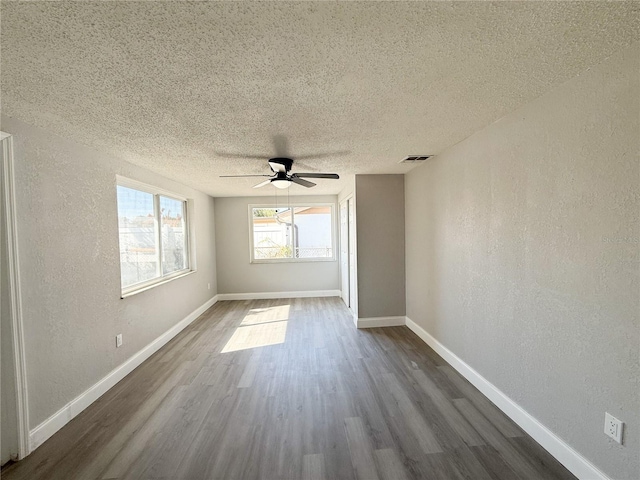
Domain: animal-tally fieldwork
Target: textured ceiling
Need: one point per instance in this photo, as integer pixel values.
(172, 86)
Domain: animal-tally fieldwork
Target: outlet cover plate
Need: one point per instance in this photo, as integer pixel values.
(613, 427)
(118, 340)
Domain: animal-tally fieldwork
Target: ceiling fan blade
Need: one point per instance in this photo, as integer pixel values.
(262, 184)
(302, 182)
(238, 176)
(310, 156)
(304, 165)
(333, 176)
(248, 156)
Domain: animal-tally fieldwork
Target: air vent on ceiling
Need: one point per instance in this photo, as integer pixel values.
(415, 158)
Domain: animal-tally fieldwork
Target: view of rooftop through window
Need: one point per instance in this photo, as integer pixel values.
(152, 236)
(300, 232)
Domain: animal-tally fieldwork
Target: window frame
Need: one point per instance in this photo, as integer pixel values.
(333, 258)
(157, 193)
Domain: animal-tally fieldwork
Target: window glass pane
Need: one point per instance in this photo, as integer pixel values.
(313, 232)
(272, 233)
(138, 246)
(172, 226)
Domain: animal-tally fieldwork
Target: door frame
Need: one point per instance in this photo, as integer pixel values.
(15, 306)
(344, 203)
(353, 253)
(349, 200)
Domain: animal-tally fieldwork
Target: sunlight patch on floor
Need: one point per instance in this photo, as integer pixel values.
(266, 315)
(261, 327)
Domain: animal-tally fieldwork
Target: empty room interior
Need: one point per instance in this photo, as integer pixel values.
(320, 240)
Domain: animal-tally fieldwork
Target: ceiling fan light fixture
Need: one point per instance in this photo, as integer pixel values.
(281, 183)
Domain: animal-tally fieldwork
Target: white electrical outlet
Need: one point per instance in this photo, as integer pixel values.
(118, 340)
(613, 427)
(208, 286)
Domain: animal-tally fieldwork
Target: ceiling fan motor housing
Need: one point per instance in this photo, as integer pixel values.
(287, 163)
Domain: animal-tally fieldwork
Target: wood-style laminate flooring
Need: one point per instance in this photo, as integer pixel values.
(290, 389)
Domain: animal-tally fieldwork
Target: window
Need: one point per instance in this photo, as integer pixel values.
(293, 233)
(153, 231)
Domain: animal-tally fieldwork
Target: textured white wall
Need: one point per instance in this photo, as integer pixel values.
(237, 275)
(523, 257)
(70, 272)
(380, 245)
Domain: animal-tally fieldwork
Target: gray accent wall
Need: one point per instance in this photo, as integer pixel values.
(70, 267)
(380, 245)
(523, 257)
(235, 272)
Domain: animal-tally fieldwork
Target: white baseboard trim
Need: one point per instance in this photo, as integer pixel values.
(273, 295)
(373, 322)
(564, 453)
(55, 422)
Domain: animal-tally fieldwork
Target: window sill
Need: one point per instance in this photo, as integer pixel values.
(160, 281)
(293, 260)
